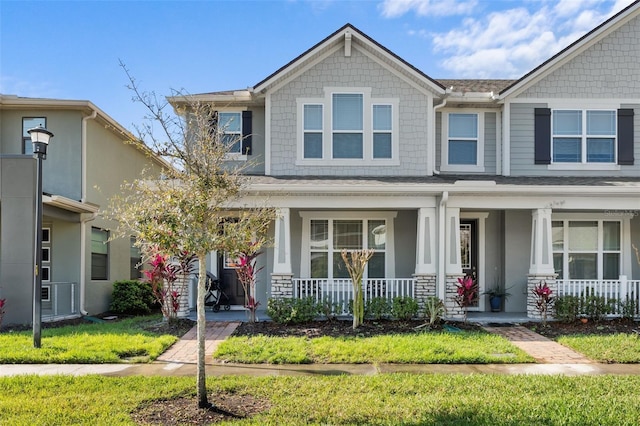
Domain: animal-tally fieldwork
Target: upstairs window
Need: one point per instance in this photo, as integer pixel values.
(347, 119)
(463, 144)
(231, 126)
(313, 131)
(348, 126)
(30, 123)
(584, 136)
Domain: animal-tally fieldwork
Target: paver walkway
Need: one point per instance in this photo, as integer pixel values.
(185, 350)
(543, 350)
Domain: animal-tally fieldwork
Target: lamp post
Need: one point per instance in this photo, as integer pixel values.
(40, 138)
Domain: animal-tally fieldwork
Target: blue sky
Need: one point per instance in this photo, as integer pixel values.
(71, 49)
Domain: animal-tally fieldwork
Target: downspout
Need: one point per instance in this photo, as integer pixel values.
(435, 108)
(84, 218)
(441, 243)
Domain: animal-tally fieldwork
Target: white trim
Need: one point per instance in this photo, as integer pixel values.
(48, 290)
(308, 216)
(267, 134)
(481, 217)
(282, 240)
(444, 160)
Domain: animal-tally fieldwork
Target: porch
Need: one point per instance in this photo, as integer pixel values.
(616, 298)
(60, 300)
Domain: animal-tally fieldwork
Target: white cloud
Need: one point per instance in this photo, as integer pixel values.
(509, 43)
(396, 8)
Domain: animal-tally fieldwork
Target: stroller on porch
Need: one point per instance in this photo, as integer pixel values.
(215, 294)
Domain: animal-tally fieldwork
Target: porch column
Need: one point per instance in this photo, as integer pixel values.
(541, 269)
(453, 265)
(282, 275)
(424, 278)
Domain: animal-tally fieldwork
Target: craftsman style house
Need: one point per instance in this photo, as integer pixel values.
(514, 181)
(86, 163)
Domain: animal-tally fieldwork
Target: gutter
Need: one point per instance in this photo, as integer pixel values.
(441, 243)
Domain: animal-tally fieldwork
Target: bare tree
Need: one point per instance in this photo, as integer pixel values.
(187, 207)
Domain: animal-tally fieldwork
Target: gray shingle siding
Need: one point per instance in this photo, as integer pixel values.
(357, 70)
(490, 143)
(608, 69)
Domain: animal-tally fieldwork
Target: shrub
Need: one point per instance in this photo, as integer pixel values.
(132, 298)
(378, 308)
(596, 307)
(567, 308)
(628, 308)
(329, 309)
(292, 311)
(434, 309)
(404, 308)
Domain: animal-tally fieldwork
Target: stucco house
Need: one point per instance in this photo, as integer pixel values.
(86, 163)
(515, 181)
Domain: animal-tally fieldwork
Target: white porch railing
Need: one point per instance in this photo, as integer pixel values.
(60, 301)
(339, 292)
(615, 293)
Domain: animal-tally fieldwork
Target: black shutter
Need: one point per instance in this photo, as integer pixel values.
(542, 138)
(246, 132)
(625, 137)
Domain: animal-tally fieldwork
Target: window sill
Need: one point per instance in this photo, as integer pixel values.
(348, 162)
(583, 166)
(235, 157)
(462, 168)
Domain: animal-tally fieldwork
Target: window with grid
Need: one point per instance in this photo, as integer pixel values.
(30, 123)
(231, 125)
(584, 136)
(587, 249)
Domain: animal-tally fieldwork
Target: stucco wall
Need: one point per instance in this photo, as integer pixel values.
(405, 229)
(17, 180)
(517, 248)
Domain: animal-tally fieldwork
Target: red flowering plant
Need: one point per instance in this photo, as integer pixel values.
(248, 274)
(3, 303)
(544, 300)
(166, 285)
(466, 293)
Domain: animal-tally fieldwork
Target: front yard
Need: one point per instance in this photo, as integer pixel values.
(373, 400)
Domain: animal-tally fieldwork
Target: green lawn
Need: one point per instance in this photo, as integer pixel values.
(372, 400)
(616, 348)
(95, 343)
(419, 348)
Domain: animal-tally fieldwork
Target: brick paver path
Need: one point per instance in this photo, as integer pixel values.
(185, 350)
(539, 347)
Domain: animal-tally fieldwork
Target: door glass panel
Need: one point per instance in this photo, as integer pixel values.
(465, 245)
(583, 236)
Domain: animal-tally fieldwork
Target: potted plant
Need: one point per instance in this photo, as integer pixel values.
(497, 294)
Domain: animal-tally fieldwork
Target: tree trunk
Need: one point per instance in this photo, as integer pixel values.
(358, 304)
(201, 327)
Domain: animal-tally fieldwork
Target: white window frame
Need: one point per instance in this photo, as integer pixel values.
(47, 290)
(367, 133)
(26, 138)
(625, 253)
(583, 136)
(234, 156)
(308, 216)
(444, 158)
(584, 105)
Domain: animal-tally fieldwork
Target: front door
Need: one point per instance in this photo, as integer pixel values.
(469, 250)
(229, 281)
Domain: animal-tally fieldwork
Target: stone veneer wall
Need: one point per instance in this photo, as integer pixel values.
(532, 282)
(282, 286)
(453, 310)
(424, 286)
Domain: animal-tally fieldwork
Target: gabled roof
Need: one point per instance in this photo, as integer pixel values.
(339, 37)
(575, 48)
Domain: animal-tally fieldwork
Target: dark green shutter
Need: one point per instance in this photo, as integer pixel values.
(625, 137)
(542, 136)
